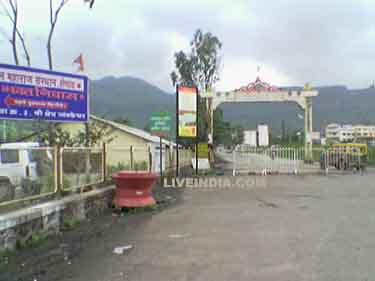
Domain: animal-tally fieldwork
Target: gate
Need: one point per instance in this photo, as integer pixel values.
(287, 160)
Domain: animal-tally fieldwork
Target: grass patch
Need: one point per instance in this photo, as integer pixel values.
(139, 210)
(6, 254)
(69, 223)
(33, 240)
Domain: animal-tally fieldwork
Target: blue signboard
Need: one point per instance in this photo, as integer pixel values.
(35, 94)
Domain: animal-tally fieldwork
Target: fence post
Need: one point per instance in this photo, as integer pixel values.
(170, 166)
(56, 168)
(104, 162)
(234, 162)
(173, 161)
(61, 173)
(131, 158)
(149, 159)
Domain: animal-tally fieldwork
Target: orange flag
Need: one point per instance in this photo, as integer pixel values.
(79, 61)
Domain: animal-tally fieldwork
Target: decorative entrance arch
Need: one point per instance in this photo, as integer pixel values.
(260, 91)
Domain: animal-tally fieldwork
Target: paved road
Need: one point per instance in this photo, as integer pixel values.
(296, 228)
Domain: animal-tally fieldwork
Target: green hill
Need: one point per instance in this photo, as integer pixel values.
(135, 99)
(129, 97)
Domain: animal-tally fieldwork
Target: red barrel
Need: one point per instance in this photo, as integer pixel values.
(133, 189)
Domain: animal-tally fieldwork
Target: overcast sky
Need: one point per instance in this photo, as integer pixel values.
(294, 41)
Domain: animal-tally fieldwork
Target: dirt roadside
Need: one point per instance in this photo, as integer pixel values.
(50, 259)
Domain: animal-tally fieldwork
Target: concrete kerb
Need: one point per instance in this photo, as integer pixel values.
(48, 216)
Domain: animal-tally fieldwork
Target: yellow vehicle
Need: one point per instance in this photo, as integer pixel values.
(345, 156)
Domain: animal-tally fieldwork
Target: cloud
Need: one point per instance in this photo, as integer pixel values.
(323, 42)
(238, 72)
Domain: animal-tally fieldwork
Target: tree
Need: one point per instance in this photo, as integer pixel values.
(92, 135)
(222, 131)
(200, 68)
(237, 134)
(12, 14)
(283, 130)
(53, 17)
(91, 3)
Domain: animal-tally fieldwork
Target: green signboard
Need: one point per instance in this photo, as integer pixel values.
(160, 123)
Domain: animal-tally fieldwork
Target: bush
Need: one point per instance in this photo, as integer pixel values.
(48, 183)
(371, 156)
(138, 166)
(111, 169)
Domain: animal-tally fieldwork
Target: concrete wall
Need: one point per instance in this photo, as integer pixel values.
(49, 217)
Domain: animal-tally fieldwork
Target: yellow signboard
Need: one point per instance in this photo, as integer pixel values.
(187, 111)
(203, 150)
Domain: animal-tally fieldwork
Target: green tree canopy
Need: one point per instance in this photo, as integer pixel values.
(199, 67)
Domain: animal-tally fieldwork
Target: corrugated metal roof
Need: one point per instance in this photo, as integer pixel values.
(131, 130)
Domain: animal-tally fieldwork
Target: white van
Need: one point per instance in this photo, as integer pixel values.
(20, 163)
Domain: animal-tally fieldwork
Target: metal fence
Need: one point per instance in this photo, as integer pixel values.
(35, 172)
(133, 158)
(80, 167)
(27, 173)
(293, 161)
(184, 158)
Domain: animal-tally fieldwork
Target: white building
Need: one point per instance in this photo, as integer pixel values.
(250, 138)
(364, 132)
(345, 133)
(332, 131)
(263, 135)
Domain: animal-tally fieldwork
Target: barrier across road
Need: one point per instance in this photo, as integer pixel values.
(288, 160)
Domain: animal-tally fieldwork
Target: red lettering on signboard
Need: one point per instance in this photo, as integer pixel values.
(17, 90)
(9, 101)
(56, 94)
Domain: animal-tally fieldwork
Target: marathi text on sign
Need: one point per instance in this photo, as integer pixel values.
(28, 93)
